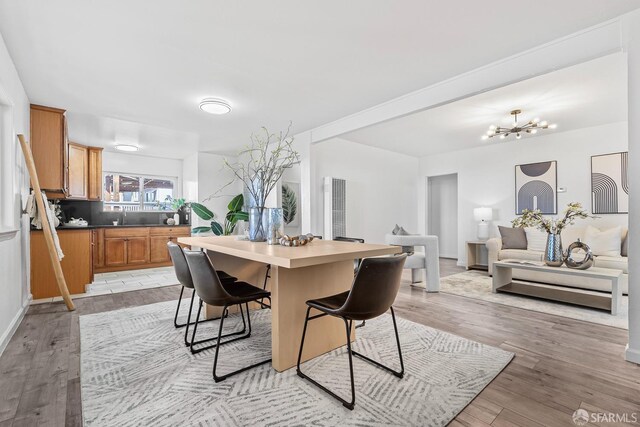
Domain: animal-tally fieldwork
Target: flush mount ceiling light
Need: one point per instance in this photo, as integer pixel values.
(127, 147)
(532, 127)
(215, 106)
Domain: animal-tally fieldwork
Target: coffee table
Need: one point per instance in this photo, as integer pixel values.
(503, 282)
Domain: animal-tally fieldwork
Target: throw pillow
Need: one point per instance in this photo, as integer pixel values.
(513, 238)
(395, 229)
(604, 243)
(405, 249)
(536, 239)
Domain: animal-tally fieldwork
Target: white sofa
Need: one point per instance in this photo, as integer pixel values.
(569, 235)
(425, 258)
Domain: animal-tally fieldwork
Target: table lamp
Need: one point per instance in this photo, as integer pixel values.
(483, 215)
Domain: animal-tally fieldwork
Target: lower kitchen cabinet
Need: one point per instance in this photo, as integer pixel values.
(76, 264)
(128, 248)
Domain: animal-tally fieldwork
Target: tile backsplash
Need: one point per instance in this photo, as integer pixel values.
(92, 212)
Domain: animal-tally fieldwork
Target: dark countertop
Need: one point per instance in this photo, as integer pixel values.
(91, 227)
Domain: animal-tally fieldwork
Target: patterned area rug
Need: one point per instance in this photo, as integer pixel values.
(477, 284)
(135, 370)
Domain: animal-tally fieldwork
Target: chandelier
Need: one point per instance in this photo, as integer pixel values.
(532, 127)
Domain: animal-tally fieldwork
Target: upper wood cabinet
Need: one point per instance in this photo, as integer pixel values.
(65, 169)
(95, 173)
(48, 144)
(78, 170)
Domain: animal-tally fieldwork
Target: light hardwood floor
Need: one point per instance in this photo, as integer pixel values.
(561, 364)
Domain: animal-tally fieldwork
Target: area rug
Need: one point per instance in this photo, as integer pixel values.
(135, 370)
(477, 285)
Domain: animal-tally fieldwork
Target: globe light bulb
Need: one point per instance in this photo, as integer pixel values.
(485, 137)
(553, 126)
(518, 136)
(503, 136)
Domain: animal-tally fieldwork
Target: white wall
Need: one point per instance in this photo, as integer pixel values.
(14, 248)
(144, 165)
(204, 174)
(381, 187)
(486, 174)
(443, 213)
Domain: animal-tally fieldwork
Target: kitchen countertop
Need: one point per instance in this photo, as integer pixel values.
(91, 227)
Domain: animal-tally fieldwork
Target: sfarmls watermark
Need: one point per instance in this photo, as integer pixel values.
(582, 417)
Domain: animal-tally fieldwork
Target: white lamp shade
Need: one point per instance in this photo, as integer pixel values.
(483, 214)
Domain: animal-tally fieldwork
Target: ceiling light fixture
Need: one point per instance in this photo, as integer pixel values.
(215, 106)
(127, 147)
(532, 127)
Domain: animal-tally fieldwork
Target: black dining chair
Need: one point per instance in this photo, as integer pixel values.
(184, 278)
(211, 290)
(356, 262)
(373, 292)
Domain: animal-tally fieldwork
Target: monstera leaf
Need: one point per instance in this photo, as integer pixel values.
(289, 204)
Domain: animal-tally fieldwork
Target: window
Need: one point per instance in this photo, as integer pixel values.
(126, 192)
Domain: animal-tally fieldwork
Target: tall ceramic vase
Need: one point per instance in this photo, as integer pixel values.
(258, 220)
(553, 255)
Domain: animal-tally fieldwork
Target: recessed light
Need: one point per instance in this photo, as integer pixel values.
(126, 147)
(215, 106)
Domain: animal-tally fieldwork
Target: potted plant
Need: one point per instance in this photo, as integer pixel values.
(231, 219)
(553, 227)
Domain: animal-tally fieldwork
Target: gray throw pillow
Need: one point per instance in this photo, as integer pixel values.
(625, 246)
(405, 249)
(396, 229)
(513, 238)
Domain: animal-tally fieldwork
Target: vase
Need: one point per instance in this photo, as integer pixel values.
(553, 255)
(258, 219)
(275, 225)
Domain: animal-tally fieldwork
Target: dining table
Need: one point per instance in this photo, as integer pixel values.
(293, 275)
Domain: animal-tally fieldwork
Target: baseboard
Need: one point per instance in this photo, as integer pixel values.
(13, 326)
(632, 355)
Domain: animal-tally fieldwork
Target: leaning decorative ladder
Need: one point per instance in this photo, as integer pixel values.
(46, 228)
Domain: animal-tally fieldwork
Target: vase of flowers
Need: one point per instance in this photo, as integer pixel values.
(553, 255)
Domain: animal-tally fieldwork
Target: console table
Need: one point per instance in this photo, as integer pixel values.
(503, 282)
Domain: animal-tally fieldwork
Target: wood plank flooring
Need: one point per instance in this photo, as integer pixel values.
(561, 364)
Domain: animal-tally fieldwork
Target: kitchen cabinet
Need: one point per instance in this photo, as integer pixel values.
(65, 169)
(137, 250)
(115, 252)
(128, 248)
(158, 249)
(95, 174)
(78, 170)
(98, 247)
(76, 264)
(49, 145)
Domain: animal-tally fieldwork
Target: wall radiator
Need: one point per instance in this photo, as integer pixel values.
(335, 207)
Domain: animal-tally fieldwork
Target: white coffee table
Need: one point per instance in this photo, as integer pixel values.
(503, 282)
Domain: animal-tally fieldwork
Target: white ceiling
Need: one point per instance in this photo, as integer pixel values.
(589, 94)
(150, 62)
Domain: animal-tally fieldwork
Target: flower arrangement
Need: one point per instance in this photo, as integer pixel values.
(534, 218)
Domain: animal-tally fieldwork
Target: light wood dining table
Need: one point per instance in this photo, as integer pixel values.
(297, 274)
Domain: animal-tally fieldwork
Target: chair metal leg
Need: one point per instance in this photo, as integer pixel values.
(345, 403)
(364, 322)
(188, 322)
(399, 374)
(225, 314)
(267, 276)
(218, 378)
(175, 319)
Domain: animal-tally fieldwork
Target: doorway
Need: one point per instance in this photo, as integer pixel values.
(442, 212)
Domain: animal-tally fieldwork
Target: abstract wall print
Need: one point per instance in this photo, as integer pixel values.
(610, 183)
(291, 204)
(536, 187)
